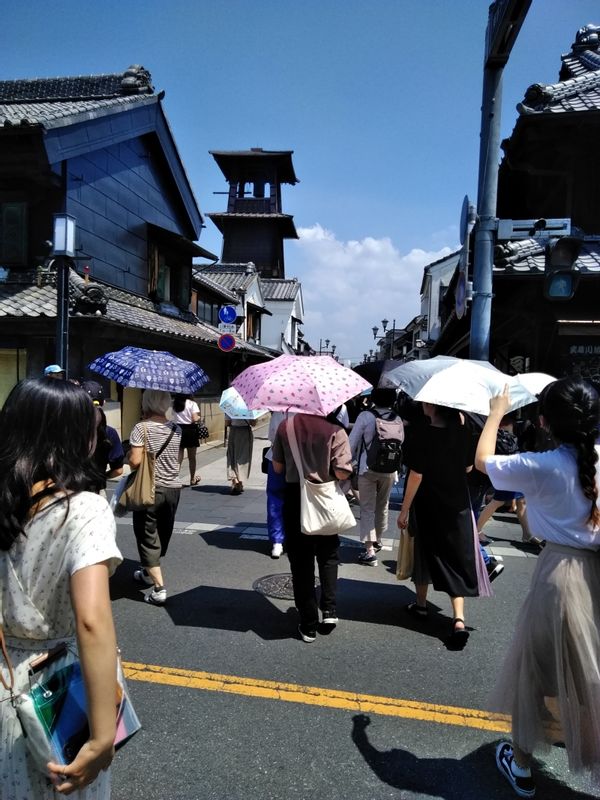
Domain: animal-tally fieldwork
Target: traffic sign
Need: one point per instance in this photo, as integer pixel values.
(227, 314)
(225, 327)
(226, 342)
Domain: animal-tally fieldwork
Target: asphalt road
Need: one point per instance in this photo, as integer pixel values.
(235, 707)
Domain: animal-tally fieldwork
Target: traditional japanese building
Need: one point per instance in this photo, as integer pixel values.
(550, 171)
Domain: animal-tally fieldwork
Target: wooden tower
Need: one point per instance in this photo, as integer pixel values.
(254, 226)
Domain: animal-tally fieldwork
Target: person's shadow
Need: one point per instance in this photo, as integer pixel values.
(450, 778)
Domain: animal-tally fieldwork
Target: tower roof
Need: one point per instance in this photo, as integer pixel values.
(256, 163)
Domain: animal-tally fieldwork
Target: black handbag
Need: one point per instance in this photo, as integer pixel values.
(203, 430)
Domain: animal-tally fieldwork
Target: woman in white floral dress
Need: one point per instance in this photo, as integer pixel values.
(57, 550)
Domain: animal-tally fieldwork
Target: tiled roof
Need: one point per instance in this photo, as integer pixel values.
(123, 308)
(527, 256)
(229, 276)
(46, 101)
(286, 221)
(214, 286)
(579, 85)
(279, 289)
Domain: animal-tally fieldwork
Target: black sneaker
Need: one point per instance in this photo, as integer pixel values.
(377, 546)
(367, 561)
(307, 635)
(494, 568)
(523, 786)
(141, 576)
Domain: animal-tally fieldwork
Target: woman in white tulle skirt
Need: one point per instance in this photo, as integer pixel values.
(550, 680)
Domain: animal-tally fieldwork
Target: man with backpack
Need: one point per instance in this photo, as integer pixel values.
(376, 442)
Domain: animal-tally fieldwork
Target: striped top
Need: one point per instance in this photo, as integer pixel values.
(166, 473)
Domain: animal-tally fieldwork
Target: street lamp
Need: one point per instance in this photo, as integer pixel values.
(333, 349)
(384, 323)
(63, 249)
(374, 329)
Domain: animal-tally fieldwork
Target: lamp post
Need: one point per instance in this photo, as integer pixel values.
(385, 323)
(63, 249)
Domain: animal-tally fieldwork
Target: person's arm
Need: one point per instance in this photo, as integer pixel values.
(342, 474)
(486, 446)
(114, 473)
(97, 646)
(278, 467)
(412, 487)
(134, 456)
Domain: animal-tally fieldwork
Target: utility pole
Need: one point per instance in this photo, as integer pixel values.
(504, 22)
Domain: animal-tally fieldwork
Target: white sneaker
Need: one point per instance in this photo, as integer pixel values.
(277, 550)
(157, 596)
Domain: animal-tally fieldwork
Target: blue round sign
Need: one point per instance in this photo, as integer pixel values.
(226, 342)
(227, 314)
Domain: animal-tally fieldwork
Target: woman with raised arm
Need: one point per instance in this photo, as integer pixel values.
(550, 681)
(57, 550)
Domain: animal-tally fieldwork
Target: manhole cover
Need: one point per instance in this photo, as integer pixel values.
(277, 586)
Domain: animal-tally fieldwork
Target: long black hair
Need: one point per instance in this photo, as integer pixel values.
(179, 401)
(46, 430)
(571, 408)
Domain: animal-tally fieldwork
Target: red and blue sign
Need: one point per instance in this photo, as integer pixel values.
(226, 342)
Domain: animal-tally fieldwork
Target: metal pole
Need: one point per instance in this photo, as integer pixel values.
(483, 260)
(62, 314)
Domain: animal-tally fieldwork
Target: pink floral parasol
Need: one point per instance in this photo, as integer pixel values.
(305, 384)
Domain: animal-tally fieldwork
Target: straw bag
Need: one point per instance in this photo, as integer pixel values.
(138, 493)
(406, 556)
(324, 509)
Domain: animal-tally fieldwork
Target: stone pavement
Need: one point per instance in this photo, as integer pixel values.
(209, 507)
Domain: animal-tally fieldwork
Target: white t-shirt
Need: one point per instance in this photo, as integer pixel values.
(186, 417)
(557, 509)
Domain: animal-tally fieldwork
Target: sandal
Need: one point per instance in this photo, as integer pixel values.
(459, 636)
(416, 610)
(196, 481)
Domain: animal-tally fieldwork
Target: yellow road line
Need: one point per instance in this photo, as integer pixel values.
(315, 696)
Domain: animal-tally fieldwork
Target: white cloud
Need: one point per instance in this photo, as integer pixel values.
(349, 287)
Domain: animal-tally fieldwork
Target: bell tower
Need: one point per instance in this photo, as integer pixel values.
(254, 226)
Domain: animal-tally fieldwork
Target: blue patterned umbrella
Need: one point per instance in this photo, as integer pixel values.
(150, 369)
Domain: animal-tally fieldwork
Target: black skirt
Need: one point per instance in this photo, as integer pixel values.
(189, 435)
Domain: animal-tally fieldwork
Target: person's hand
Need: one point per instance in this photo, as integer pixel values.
(89, 762)
(402, 520)
(501, 402)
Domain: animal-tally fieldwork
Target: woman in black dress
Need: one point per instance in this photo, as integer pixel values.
(438, 456)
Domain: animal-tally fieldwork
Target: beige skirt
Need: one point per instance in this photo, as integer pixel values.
(550, 680)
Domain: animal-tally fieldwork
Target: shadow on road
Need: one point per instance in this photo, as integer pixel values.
(474, 776)
(232, 610)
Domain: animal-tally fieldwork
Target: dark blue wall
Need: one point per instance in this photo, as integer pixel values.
(113, 192)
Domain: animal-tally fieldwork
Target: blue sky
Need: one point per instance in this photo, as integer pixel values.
(379, 99)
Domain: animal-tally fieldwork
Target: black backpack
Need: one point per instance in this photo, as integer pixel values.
(384, 454)
(506, 443)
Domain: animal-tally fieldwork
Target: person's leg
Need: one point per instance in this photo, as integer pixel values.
(487, 513)
(181, 455)
(458, 612)
(275, 493)
(148, 543)
(166, 504)
(300, 552)
(326, 548)
(367, 486)
(194, 479)
(421, 593)
(527, 535)
(384, 485)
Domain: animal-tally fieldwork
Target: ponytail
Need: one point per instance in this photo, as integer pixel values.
(571, 409)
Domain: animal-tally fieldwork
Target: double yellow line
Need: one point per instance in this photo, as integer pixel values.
(315, 696)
